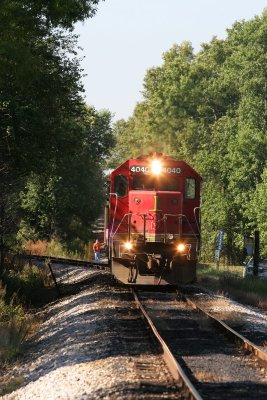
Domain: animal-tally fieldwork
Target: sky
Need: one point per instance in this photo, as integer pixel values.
(127, 37)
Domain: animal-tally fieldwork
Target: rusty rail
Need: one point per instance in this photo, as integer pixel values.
(260, 354)
(172, 364)
(59, 260)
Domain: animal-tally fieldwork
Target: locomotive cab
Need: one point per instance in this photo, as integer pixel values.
(154, 228)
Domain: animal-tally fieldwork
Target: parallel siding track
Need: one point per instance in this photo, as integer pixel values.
(215, 367)
(67, 261)
(65, 288)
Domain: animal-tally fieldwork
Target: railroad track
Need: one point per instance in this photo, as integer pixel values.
(175, 368)
(64, 280)
(198, 354)
(247, 345)
(68, 261)
(202, 360)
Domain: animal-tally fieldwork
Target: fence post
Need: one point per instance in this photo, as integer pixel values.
(256, 255)
(54, 279)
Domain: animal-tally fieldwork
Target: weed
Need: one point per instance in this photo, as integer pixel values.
(26, 282)
(38, 247)
(229, 280)
(55, 248)
(203, 376)
(12, 385)
(12, 326)
(19, 289)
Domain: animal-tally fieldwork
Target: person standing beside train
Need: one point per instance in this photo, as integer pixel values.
(96, 248)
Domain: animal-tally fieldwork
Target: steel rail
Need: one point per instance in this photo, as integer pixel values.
(172, 364)
(245, 343)
(91, 263)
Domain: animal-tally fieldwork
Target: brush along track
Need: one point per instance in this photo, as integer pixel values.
(217, 368)
(69, 275)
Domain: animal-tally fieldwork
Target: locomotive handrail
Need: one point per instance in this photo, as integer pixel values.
(115, 209)
(125, 215)
(165, 216)
(187, 220)
(113, 234)
(198, 227)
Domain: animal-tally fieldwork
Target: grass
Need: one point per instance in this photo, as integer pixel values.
(21, 288)
(11, 385)
(203, 376)
(25, 282)
(13, 326)
(229, 281)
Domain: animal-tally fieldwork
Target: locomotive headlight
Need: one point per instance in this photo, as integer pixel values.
(128, 245)
(156, 167)
(181, 247)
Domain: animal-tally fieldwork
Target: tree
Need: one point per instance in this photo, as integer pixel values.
(210, 109)
(64, 202)
(41, 103)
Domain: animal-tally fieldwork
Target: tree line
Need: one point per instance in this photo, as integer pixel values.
(210, 109)
(52, 145)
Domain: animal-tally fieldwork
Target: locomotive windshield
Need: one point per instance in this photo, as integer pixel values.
(120, 185)
(148, 182)
(190, 188)
(143, 182)
(168, 183)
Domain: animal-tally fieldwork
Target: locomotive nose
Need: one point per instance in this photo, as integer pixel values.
(146, 202)
(158, 209)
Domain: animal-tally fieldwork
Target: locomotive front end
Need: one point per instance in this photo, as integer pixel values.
(154, 221)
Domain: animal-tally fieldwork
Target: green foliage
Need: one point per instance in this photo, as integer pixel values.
(20, 287)
(51, 144)
(74, 250)
(12, 325)
(12, 384)
(24, 285)
(257, 211)
(210, 110)
(65, 203)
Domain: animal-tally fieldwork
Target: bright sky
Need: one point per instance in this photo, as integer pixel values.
(127, 37)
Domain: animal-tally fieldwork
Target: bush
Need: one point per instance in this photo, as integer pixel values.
(20, 288)
(25, 283)
(13, 325)
(76, 249)
(38, 247)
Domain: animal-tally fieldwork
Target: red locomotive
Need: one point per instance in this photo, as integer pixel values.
(153, 226)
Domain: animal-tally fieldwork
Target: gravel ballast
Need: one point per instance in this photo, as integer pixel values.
(92, 345)
(218, 367)
(249, 321)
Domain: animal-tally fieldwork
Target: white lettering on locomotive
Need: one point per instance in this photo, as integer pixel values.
(143, 169)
